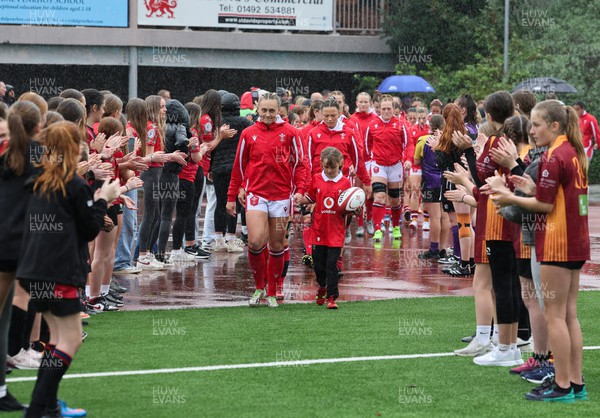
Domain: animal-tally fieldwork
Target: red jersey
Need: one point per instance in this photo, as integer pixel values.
(328, 224)
(90, 138)
(342, 138)
(588, 125)
(388, 139)
(309, 127)
(188, 172)
(562, 235)
(490, 225)
(357, 134)
(268, 162)
(206, 135)
(153, 140)
(416, 132)
(362, 120)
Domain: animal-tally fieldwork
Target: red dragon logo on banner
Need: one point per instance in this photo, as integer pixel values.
(162, 6)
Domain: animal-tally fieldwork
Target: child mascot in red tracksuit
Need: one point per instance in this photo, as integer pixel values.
(329, 225)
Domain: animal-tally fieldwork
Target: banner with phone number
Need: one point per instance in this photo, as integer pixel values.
(307, 15)
(105, 13)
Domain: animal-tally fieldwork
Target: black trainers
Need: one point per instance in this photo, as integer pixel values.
(117, 287)
(100, 304)
(115, 295)
(88, 308)
(552, 394)
(8, 403)
(459, 271)
(446, 270)
(428, 255)
(245, 238)
(114, 301)
(547, 384)
(197, 252)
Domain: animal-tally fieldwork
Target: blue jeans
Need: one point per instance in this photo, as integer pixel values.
(125, 244)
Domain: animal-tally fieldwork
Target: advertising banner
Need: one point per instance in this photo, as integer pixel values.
(106, 13)
(307, 15)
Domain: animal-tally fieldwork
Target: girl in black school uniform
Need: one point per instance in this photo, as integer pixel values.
(62, 217)
(24, 122)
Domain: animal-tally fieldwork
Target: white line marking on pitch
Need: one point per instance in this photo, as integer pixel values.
(249, 366)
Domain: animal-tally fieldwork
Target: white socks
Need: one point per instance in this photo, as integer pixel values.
(104, 289)
(483, 334)
(2, 391)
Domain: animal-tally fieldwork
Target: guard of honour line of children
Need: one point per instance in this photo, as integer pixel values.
(501, 190)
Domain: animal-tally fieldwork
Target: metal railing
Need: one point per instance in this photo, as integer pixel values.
(359, 16)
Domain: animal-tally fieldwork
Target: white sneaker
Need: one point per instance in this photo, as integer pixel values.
(370, 227)
(517, 356)
(360, 231)
(474, 349)
(235, 246)
(220, 245)
(497, 358)
(272, 302)
(155, 261)
(425, 226)
(348, 238)
(127, 270)
(181, 256)
(256, 297)
(148, 262)
(24, 360)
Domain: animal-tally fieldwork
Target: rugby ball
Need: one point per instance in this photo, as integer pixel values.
(351, 199)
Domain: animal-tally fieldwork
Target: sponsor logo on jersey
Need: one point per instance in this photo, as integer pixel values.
(328, 202)
(545, 173)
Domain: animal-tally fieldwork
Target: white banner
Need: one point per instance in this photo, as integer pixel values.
(308, 15)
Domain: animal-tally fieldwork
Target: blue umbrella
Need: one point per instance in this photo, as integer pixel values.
(405, 84)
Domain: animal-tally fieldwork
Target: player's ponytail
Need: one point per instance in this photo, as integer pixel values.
(23, 118)
(574, 136)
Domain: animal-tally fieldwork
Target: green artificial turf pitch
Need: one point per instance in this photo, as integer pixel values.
(439, 386)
